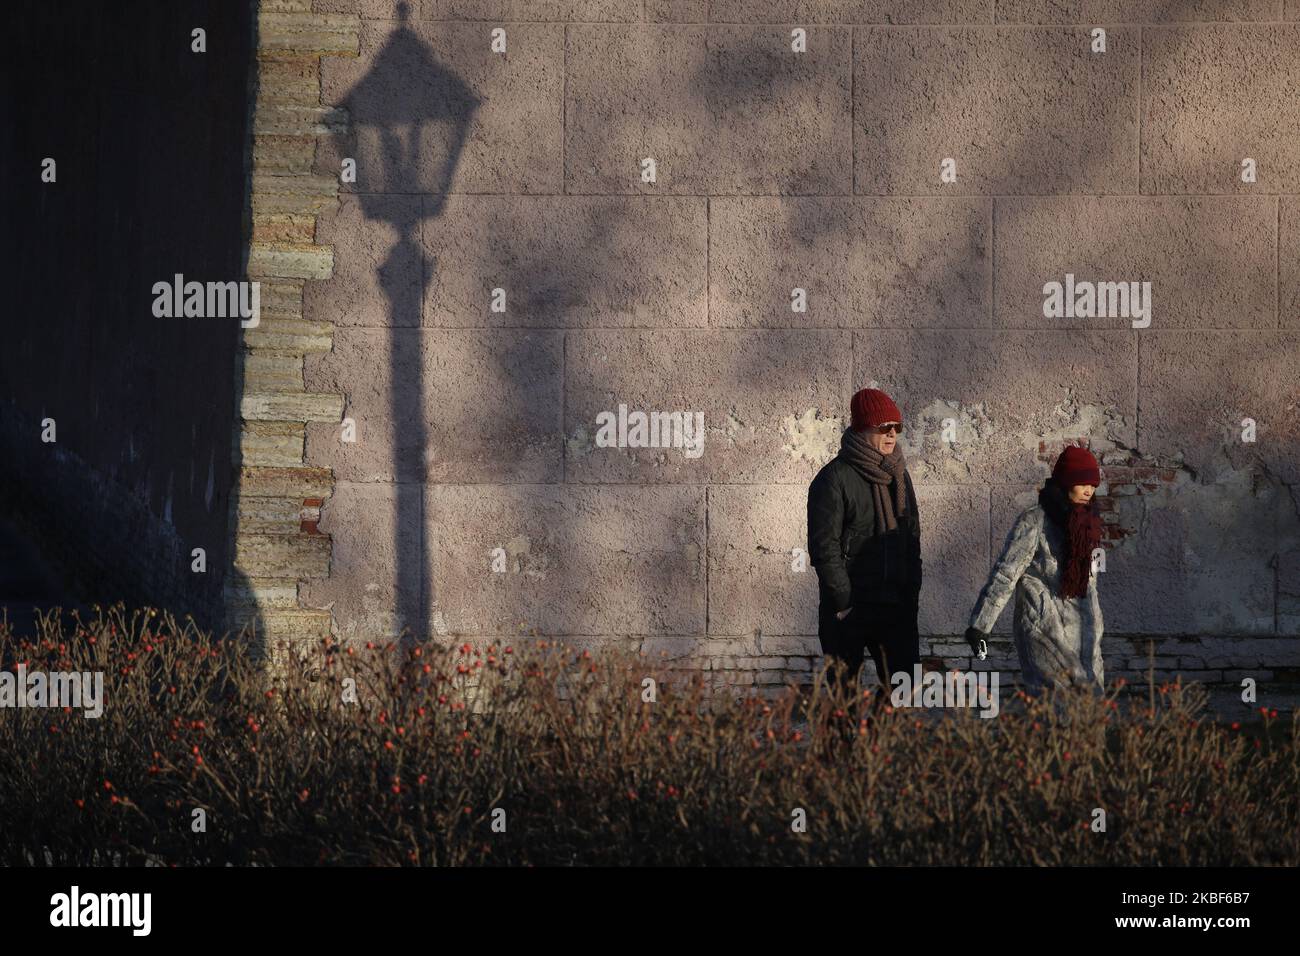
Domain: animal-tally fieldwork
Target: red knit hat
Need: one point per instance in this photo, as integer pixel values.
(871, 407)
(1076, 466)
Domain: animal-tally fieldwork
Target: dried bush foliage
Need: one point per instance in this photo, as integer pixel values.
(288, 771)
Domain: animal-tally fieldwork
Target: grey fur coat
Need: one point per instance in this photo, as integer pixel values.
(1058, 639)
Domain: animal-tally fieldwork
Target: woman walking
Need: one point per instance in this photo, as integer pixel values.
(1047, 563)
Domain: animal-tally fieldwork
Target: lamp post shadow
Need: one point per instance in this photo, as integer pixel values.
(410, 116)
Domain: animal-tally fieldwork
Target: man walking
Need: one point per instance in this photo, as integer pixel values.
(864, 539)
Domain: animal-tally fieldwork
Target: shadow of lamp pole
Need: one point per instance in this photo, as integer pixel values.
(410, 116)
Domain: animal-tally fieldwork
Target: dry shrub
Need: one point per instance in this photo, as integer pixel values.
(401, 754)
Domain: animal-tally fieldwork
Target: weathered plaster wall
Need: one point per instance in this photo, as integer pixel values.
(148, 138)
(475, 428)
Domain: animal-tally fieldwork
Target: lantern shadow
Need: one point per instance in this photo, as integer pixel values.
(408, 119)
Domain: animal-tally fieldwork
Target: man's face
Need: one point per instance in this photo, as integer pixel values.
(1081, 494)
(885, 441)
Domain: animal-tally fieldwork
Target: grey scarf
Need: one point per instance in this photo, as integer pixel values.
(879, 470)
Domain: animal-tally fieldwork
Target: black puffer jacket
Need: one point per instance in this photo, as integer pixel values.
(856, 563)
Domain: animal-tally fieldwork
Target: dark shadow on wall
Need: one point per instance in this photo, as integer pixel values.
(239, 610)
(402, 128)
(148, 140)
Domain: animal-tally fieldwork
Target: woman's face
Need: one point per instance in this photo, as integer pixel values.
(1081, 494)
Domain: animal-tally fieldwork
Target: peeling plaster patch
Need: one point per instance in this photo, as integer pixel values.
(730, 429)
(580, 443)
(1103, 426)
(1233, 453)
(929, 455)
(376, 620)
(810, 436)
(439, 622)
(520, 558)
(972, 425)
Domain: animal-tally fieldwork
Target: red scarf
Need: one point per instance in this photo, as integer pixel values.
(1082, 525)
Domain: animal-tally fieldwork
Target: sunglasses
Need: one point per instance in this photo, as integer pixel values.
(885, 429)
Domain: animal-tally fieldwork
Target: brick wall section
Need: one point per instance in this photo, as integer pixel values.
(1123, 472)
(819, 171)
(277, 544)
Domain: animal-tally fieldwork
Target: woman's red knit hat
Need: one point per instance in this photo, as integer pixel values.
(871, 407)
(1076, 466)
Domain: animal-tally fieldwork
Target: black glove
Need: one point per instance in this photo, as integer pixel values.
(978, 641)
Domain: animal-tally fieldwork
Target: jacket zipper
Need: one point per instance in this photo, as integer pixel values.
(884, 539)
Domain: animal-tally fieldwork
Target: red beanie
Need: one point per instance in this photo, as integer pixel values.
(1076, 466)
(871, 407)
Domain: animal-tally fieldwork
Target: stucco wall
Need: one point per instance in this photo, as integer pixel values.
(475, 429)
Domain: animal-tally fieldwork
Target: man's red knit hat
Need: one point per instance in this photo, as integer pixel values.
(871, 407)
(1076, 466)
